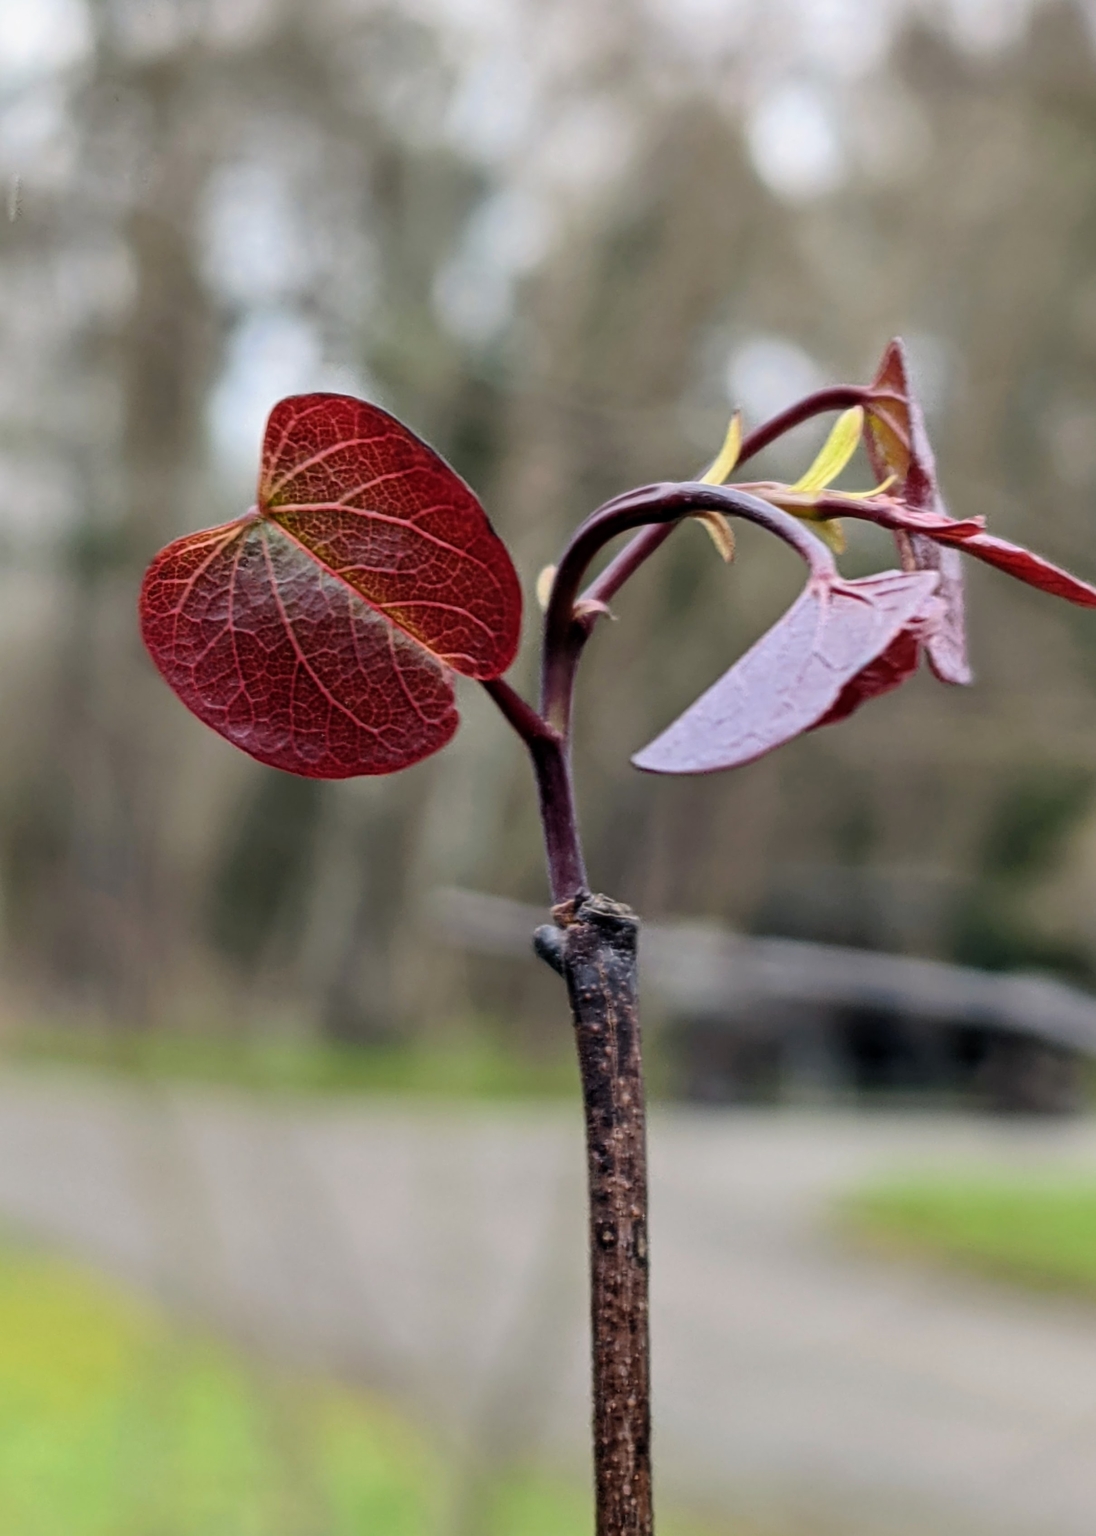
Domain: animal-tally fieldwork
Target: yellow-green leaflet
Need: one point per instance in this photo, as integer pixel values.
(832, 531)
(836, 452)
(719, 529)
(727, 457)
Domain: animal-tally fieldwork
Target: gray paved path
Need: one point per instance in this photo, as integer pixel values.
(439, 1254)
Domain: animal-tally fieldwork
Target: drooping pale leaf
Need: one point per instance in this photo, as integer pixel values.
(318, 632)
(720, 532)
(795, 675)
(835, 452)
(898, 445)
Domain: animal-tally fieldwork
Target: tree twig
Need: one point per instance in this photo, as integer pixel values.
(594, 947)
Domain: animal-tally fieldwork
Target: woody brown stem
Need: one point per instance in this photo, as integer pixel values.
(594, 949)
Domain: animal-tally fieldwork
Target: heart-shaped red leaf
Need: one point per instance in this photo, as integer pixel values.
(318, 632)
(898, 445)
(797, 674)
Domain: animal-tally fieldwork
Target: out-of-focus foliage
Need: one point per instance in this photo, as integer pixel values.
(1038, 1231)
(479, 1060)
(559, 241)
(115, 1422)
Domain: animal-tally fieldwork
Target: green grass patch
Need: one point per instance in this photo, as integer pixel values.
(472, 1065)
(114, 1421)
(1038, 1231)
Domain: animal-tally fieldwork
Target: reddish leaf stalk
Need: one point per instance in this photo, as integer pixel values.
(552, 769)
(563, 848)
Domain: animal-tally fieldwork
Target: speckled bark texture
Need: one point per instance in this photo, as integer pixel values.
(594, 948)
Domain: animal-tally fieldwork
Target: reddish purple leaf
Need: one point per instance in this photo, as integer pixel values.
(898, 445)
(1022, 564)
(947, 648)
(318, 631)
(898, 662)
(971, 537)
(814, 664)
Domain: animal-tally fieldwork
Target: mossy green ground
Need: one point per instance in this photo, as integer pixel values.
(115, 1421)
(1039, 1231)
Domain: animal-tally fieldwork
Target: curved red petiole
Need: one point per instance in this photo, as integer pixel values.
(566, 628)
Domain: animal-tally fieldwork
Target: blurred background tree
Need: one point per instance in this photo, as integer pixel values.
(560, 241)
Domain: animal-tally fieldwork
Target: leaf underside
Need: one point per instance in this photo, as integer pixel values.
(815, 664)
(319, 633)
(888, 671)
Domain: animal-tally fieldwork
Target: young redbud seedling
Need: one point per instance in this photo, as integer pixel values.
(320, 633)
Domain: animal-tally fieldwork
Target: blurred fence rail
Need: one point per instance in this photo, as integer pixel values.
(1027, 1033)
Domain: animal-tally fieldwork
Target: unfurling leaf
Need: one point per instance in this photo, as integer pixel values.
(814, 661)
(720, 532)
(898, 445)
(319, 631)
(544, 586)
(835, 453)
